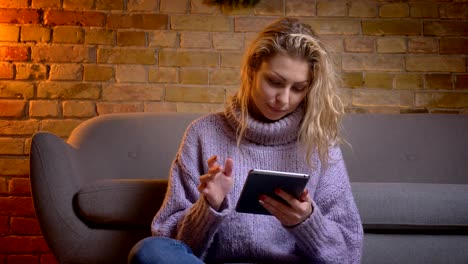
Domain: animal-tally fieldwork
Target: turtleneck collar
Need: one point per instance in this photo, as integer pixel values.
(279, 132)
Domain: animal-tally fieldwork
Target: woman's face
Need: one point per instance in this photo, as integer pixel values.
(279, 87)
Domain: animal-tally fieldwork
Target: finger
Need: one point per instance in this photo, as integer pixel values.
(291, 200)
(215, 169)
(204, 178)
(275, 208)
(212, 161)
(201, 187)
(228, 166)
(304, 196)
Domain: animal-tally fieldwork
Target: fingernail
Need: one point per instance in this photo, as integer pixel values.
(262, 198)
(277, 191)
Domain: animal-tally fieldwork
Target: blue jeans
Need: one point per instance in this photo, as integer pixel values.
(152, 250)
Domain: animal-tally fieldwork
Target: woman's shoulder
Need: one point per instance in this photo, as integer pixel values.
(207, 120)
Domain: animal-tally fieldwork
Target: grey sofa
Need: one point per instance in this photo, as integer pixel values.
(96, 193)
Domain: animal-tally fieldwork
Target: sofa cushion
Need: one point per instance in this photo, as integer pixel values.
(412, 207)
(126, 203)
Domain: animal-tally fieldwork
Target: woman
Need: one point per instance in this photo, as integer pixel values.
(285, 117)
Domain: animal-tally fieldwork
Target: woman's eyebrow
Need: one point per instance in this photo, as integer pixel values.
(284, 79)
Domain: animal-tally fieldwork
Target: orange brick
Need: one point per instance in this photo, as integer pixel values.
(363, 9)
(163, 75)
(23, 225)
(199, 107)
(160, 107)
(193, 76)
(442, 100)
(438, 81)
(251, 24)
(424, 10)
(126, 56)
(200, 7)
(68, 34)
(365, 62)
(332, 8)
(78, 4)
(108, 108)
(371, 98)
(132, 92)
(391, 45)
(59, 53)
(422, 45)
(165, 39)
(46, 3)
(99, 36)
(16, 89)
(173, 6)
(6, 71)
(14, 53)
(130, 73)
(461, 82)
(408, 82)
(9, 33)
(142, 5)
(15, 167)
(66, 72)
(394, 10)
(435, 63)
(195, 39)
(93, 72)
(12, 108)
(269, 8)
(454, 11)
(188, 58)
(14, 4)
(200, 23)
(453, 46)
(352, 79)
(35, 34)
(445, 28)
(17, 127)
(43, 108)
(60, 127)
(336, 26)
(11, 146)
(77, 18)
(333, 43)
(225, 76)
(31, 71)
(378, 80)
(300, 8)
(131, 38)
(391, 27)
(359, 44)
(79, 109)
(231, 59)
(228, 41)
(68, 90)
(109, 4)
(20, 16)
(140, 21)
(199, 94)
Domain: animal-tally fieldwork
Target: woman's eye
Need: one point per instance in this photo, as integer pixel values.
(299, 88)
(274, 82)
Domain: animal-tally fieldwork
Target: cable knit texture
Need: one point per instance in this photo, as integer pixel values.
(332, 234)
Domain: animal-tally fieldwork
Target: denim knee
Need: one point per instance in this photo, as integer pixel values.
(152, 250)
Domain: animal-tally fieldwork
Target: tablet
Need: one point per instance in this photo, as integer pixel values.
(265, 182)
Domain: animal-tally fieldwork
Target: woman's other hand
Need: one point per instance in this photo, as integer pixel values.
(294, 214)
(217, 183)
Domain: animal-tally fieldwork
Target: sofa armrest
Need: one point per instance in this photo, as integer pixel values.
(120, 203)
(54, 180)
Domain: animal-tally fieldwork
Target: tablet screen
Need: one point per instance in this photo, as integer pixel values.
(264, 182)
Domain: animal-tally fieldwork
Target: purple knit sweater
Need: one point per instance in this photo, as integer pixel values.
(332, 234)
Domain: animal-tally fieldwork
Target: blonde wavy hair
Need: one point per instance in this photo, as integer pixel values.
(323, 108)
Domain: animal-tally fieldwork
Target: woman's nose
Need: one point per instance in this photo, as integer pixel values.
(283, 95)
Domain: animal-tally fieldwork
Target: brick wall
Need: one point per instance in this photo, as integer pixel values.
(64, 61)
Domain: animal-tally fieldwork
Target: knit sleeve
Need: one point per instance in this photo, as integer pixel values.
(185, 214)
(333, 233)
